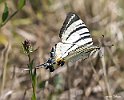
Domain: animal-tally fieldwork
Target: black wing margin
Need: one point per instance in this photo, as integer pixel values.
(71, 17)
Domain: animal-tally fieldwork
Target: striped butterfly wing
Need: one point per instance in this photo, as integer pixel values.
(73, 34)
(76, 43)
(75, 31)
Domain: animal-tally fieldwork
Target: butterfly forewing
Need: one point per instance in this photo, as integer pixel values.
(74, 31)
(68, 21)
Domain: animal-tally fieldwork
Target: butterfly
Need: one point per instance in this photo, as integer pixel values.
(76, 42)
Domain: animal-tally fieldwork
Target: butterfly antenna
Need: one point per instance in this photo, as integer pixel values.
(104, 44)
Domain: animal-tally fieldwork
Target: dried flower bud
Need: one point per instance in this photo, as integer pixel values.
(27, 46)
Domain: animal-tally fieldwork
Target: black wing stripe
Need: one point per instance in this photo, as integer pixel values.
(84, 37)
(79, 40)
(70, 48)
(88, 43)
(71, 17)
(79, 28)
(84, 33)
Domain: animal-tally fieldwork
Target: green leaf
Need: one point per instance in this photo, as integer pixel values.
(5, 13)
(1, 1)
(21, 4)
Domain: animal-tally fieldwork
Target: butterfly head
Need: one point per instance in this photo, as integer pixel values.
(50, 63)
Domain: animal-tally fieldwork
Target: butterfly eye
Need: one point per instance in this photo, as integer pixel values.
(49, 61)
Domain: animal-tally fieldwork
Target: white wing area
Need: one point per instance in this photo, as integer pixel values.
(76, 31)
(69, 30)
(61, 49)
(73, 38)
(74, 34)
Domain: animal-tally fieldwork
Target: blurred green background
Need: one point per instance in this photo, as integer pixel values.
(40, 21)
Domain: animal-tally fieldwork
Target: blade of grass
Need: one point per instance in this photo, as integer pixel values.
(6, 53)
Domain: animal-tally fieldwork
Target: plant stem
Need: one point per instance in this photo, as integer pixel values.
(105, 75)
(33, 77)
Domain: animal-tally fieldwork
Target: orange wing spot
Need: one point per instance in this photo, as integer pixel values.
(60, 62)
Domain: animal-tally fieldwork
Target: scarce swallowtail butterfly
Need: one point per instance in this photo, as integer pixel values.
(76, 43)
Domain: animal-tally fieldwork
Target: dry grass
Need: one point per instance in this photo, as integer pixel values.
(40, 22)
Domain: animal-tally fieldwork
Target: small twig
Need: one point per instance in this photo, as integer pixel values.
(101, 53)
(24, 95)
(105, 74)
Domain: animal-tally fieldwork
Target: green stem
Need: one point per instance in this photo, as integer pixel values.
(34, 87)
(33, 77)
